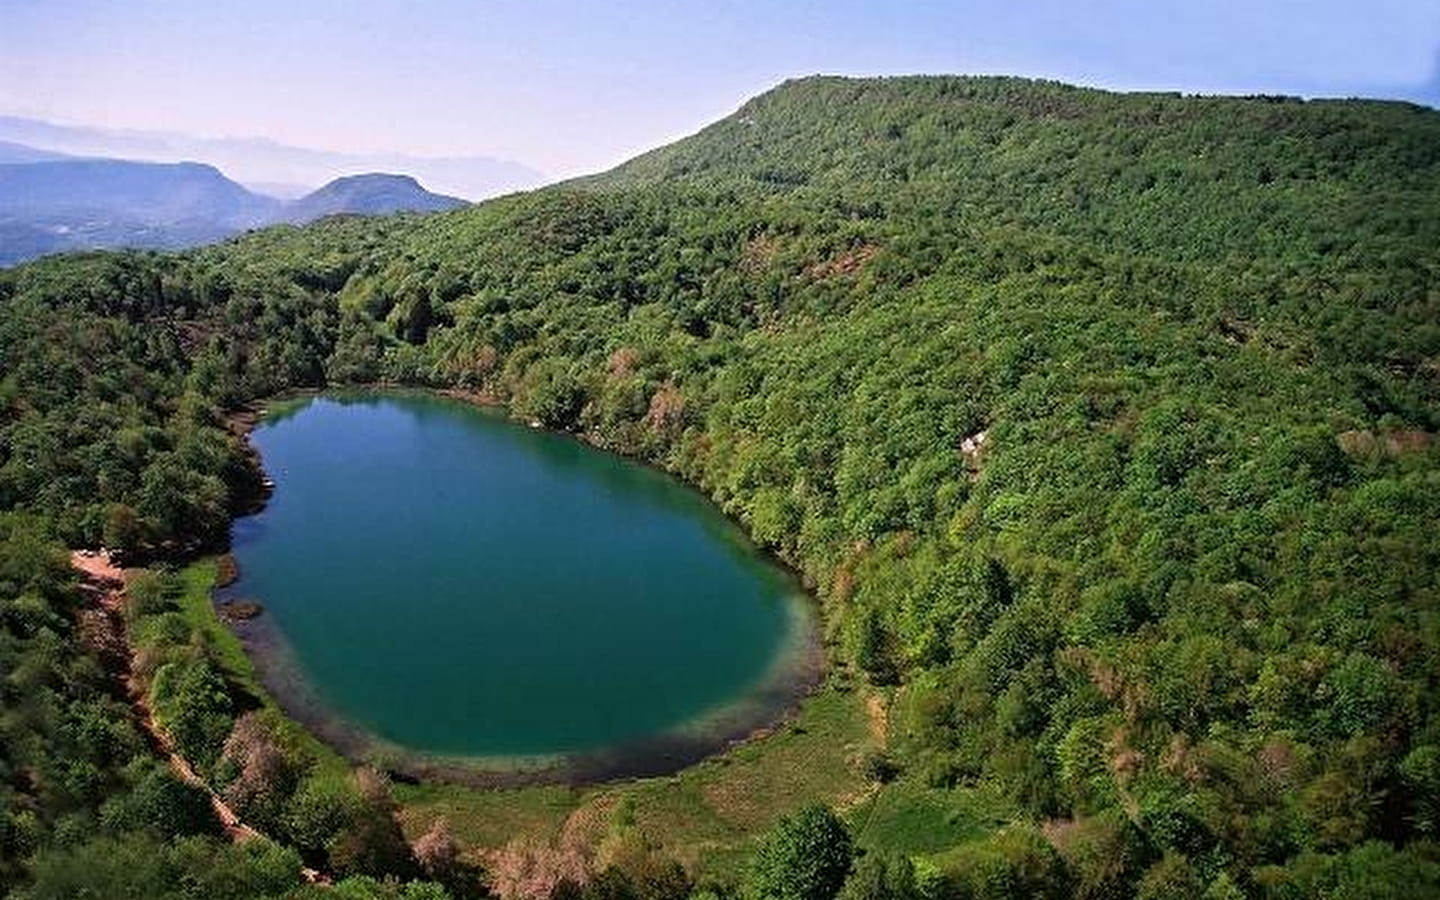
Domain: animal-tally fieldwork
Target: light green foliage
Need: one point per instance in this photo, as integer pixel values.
(881, 877)
(192, 705)
(1014, 862)
(1189, 575)
(320, 808)
(804, 857)
(188, 869)
(365, 888)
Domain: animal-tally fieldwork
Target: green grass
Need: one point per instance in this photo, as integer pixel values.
(910, 818)
(198, 581)
(197, 606)
(707, 816)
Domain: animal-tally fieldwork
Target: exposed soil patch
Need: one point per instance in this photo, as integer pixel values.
(878, 717)
(227, 570)
(847, 263)
(239, 610)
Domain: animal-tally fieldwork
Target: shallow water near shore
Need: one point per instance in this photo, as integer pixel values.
(444, 584)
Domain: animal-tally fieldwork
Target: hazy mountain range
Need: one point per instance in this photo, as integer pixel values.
(50, 203)
(267, 166)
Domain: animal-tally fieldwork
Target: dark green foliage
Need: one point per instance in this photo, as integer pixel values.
(804, 857)
(189, 869)
(370, 842)
(1372, 871)
(1104, 425)
(881, 877)
(163, 804)
(65, 739)
(879, 767)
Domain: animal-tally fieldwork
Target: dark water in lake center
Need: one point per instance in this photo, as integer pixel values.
(460, 585)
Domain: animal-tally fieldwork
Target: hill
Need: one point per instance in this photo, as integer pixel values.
(375, 194)
(257, 161)
(154, 193)
(53, 204)
(65, 204)
(20, 153)
(1101, 425)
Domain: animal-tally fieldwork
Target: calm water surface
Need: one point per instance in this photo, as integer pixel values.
(459, 585)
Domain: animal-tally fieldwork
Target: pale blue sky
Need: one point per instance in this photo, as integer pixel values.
(577, 85)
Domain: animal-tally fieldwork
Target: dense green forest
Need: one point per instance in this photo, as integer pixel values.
(1102, 426)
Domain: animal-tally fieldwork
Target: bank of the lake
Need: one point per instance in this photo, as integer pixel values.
(662, 638)
(705, 815)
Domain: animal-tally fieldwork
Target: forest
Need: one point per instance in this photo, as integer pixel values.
(1102, 426)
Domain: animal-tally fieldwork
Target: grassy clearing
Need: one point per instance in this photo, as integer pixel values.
(197, 581)
(910, 818)
(705, 816)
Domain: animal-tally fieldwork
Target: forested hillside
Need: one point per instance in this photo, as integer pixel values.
(1102, 425)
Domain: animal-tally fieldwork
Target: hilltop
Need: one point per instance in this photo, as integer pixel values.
(373, 194)
(1102, 426)
(58, 204)
(50, 203)
(1187, 177)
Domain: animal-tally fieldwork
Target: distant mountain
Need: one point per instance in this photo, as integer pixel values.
(373, 194)
(257, 161)
(155, 193)
(73, 204)
(20, 153)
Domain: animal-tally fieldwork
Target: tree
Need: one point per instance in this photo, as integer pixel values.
(439, 857)
(192, 704)
(880, 876)
(124, 530)
(261, 777)
(806, 856)
(371, 843)
(164, 804)
(320, 809)
(1172, 878)
(363, 887)
(1014, 862)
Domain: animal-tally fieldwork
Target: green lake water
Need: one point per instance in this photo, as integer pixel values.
(455, 584)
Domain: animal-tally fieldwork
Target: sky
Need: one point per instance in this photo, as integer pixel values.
(574, 86)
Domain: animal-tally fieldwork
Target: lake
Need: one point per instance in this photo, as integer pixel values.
(440, 582)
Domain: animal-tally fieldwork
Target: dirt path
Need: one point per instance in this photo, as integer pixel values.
(107, 582)
(878, 718)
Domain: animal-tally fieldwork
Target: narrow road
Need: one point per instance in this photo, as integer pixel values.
(107, 582)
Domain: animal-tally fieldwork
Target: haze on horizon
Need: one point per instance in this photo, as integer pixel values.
(569, 86)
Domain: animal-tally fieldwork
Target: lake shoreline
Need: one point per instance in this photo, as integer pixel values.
(760, 713)
(798, 669)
